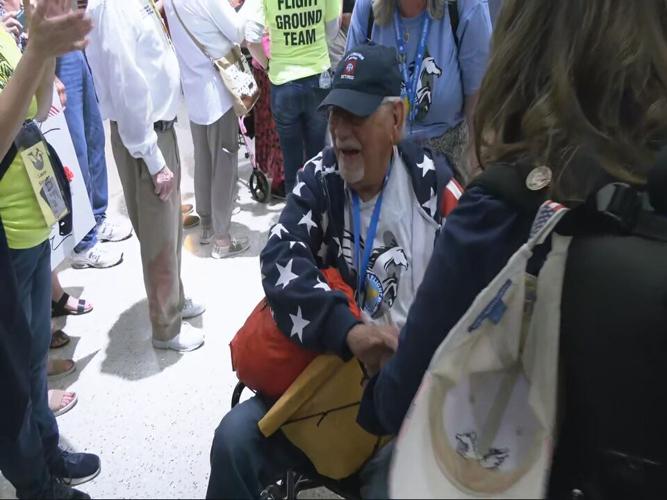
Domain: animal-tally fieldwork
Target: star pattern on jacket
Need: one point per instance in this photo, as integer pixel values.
(322, 285)
(426, 166)
(277, 230)
(286, 274)
(431, 206)
(297, 189)
(299, 323)
(307, 220)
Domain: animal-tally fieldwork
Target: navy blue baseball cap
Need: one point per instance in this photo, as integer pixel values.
(365, 76)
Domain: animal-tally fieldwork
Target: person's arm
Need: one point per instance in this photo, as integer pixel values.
(51, 36)
(357, 35)
(253, 12)
(475, 243)
(474, 34)
(229, 22)
(469, 106)
(115, 39)
(44, 93)
(257, 52)
(332, 13)
(304, 307)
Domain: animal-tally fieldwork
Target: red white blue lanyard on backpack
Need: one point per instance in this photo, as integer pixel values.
(411, 86)
(359, 262)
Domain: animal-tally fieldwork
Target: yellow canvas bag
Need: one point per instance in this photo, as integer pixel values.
(318, 414)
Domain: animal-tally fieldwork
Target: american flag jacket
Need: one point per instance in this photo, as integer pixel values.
(309, 237)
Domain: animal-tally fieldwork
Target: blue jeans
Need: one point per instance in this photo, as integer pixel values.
(244, 462)
(300, 126)
(85, 126)
(25, 461)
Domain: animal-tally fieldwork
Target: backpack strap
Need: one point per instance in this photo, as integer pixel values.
(371, 23)
(507, 181)
(454, 20)
(7, 160)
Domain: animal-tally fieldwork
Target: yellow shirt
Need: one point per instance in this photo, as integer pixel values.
(19, 210)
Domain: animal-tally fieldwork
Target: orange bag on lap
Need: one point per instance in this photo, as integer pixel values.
(264, 358)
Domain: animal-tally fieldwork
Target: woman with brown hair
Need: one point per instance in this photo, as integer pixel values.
(575, 97)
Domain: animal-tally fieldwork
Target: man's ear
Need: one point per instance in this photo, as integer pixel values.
(399, 113)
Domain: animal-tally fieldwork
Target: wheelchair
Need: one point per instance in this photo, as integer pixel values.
(293, 482)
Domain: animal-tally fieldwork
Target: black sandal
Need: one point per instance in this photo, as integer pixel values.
(59, 308)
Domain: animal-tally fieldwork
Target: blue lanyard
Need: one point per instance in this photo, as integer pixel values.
(362, 264)
(411, 86)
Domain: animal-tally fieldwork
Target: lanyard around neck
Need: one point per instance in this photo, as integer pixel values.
(411, 85)
(362, 262)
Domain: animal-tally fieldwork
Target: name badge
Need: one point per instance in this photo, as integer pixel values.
(35, 155)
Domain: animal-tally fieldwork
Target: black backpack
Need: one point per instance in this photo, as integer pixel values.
(612, 435)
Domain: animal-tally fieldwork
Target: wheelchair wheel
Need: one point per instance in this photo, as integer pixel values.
(259, 186)
(236, 395)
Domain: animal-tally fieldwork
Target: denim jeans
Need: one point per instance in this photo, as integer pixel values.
(300, 126)
(85, 126)
(24, 462)
(244, 462)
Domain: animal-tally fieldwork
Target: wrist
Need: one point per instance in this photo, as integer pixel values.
(35, 57)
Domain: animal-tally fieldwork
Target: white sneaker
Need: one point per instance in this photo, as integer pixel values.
(189, 339)
(99, 257)
(109, 231)
(192, 309)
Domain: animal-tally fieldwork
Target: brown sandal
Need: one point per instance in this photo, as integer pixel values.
(58, 368)
(59, 339)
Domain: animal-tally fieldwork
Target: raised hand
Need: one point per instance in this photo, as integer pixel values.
(55, 29)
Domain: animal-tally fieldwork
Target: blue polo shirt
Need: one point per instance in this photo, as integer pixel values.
(447, 74)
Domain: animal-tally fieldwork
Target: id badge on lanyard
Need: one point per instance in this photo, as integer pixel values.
(411, 84)
(362, 260)
(32, 148)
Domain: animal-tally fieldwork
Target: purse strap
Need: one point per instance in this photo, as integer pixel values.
(192, 37)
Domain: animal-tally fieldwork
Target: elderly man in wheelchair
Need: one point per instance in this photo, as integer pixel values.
(369, 208)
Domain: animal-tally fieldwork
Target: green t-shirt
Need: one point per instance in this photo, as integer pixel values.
(298, 37)
(19, 210)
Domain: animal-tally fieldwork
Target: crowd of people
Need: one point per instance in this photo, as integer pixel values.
(414, 143)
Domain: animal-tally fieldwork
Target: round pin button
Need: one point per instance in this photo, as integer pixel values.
(538, 178)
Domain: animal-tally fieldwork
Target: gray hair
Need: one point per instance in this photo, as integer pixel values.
(393, 100)
(384, 10)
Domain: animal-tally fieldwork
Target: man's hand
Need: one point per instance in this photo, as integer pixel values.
(62, 93)
(55, 30)
(164, 183)
(373, 345)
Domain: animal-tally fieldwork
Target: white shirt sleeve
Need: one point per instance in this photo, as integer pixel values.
(253, 12)
(226, 19)
(116, 37)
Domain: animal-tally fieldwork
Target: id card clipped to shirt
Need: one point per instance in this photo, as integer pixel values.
(32, 148)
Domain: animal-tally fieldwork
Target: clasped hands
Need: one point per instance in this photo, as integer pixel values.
(373, 344)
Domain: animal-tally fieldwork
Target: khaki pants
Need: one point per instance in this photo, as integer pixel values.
(216, 171)
(159, 230)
